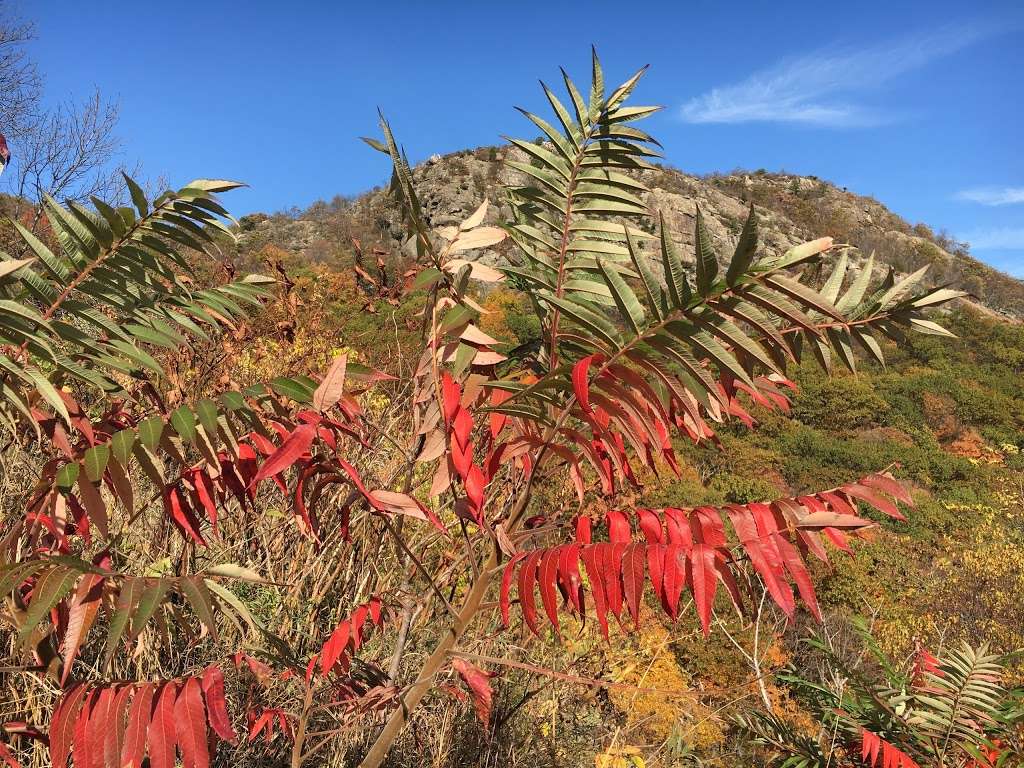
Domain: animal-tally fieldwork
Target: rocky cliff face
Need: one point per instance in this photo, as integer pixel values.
(792, 209)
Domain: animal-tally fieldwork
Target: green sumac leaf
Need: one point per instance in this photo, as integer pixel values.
(121, 445)
(707, 262)
(746, 249)
(127, 598)
(292, 388)
(184, 423)
(150, 431)
(49, 590)
(427, 278)
(206, 411)
(149, 601)
(66, 476)
(95, 461)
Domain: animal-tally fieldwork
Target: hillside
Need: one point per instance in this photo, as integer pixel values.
(947, 414)
(793, 209)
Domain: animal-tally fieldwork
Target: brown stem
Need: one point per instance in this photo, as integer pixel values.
(428, 672)
(300, 732)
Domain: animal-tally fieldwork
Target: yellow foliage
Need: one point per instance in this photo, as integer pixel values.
(620, 757)
(499, 303)
(672, 708)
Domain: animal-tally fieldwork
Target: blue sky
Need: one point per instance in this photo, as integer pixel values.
(916, 103)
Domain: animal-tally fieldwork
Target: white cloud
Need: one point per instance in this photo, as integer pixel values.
(815, 88)
(993, 195)
(996, 239)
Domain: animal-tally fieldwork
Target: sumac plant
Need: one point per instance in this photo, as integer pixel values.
(169, 571)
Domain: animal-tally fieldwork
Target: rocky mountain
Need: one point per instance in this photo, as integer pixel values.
(792, 209)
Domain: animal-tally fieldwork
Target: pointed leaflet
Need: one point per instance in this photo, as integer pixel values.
(527, 576)
(128, 596)
(626, 301)
(479, 684)
(610, 564)
(547, 574)
(703, 582)
(589, 555)
(79, 746)
(296, 444)
(149, 601)
(81, 615)
(190, 725)
(93, 502)
(707, 262)
(633, 578)
(879, 502)
(161, 736)
(580, 380)
(113, 743)
(98, 726)
(674, 576)
(49, 590)
(139, 714)
(675, 277)
(889, 485)
(194, 590)
(62, 724)
(333, 385)
(335, 647)
(745, 250)
(216, 707)
(762, 556)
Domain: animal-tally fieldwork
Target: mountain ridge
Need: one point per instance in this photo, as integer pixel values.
(791, 208)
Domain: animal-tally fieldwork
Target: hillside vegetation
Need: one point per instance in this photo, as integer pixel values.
(793, 209)
(662, 471)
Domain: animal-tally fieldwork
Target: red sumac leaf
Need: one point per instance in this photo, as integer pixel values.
(798, 570)
(116, 725)
(62, 724)
(582, 529)
(80, 737)
(656, 568)
(462, 428)
(335, 646)
(82, 613)
(97, 728)
(580, 381)
(290, 451)
(633, 578)
(650, 525)
(547, 575)
(181, 514)
(527, 576)
(675, 577)
(216, 704)
(451, 395)
(569, 576)
(618, 527)
(589, 555)
(139, 715)
(504, 600)
(888, 484)
(190, 725)
(479, 684)
(703, 582)
(875, 499)
(160, 739)
(7, 758)
(763, 556)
